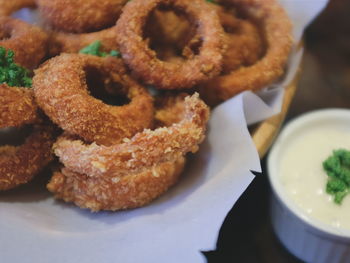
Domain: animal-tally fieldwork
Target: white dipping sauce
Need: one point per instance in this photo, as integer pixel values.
(303, 176)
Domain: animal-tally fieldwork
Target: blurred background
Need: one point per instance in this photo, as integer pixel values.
(325, 79)
(246, 235)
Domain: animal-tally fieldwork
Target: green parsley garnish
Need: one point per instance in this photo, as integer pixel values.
(212, 1)
(94, 49)
(11, 73)
(337, 168)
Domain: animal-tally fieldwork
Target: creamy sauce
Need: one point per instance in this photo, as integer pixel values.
(303, 176)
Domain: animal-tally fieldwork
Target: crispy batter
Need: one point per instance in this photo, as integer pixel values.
(72, 43)
(20, 164)
(144, 150)
(80, 16)
(82, 24)
(106, 193)
(27, 41)
(17, 106)
(165, 75)
(245, 45)
(169, 109)
(61, 89)
(60, 41)
(276, 30)
(167, 29)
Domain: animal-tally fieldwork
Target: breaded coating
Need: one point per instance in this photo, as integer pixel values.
(62, 42)
(276, 30)
(19, 164)
(245, 45)
(169, 109)
(61, 90)
(142, 151)
(80, 16)
(17, 106)
(29, 42)
(107, 193)
(167, 29)
(166, 75)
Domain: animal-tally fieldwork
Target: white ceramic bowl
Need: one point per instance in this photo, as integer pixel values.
(307, 238)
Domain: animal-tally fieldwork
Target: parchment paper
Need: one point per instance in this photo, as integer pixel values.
(174, 228)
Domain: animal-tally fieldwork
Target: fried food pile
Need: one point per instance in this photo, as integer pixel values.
(118, 90)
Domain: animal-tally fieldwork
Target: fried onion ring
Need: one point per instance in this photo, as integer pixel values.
(276, 29)
(92, 25)
(80, 16)
(167, 29)
(165, 75)
(27, 41)
(19, 164)
(61, 90)
(245, 45)
(61, 42)
(131, 191)
(17, 106)
(163, 145)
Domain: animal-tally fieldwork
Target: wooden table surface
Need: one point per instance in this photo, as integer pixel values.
(246, 235)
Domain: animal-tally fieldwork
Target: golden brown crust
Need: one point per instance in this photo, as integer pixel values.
(27, 41)
(167, 29)
(131, 191)
(276, 29)
(80, 16)
(142, 151)
(20, 164)
(144, 62)
(169, 109)
(17, 106)
(60, 87)
(80, 25)
(245, 45)
(72, 43)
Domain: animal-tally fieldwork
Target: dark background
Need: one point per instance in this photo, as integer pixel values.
(246, 235)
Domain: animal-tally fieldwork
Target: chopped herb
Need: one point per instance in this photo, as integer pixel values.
(94, 49)
(115, 53)
(337, 168)
(212, 1)
(11, 73)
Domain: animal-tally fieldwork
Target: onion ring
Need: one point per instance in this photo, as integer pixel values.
(61, 90)
(167, 29)
(62, 42)
(17, 106)
(20, 164)
(163, 145)
(80, 16)
(28, 42)
(59, 41)
(80, 36)
(244, 42)
(144, 62)
(101, 193)
(276, 28)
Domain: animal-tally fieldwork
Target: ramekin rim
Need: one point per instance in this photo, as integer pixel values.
(276, 186)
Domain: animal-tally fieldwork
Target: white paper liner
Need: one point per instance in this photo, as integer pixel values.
(174, 228)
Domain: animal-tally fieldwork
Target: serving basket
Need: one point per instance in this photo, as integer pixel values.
(265, 132)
